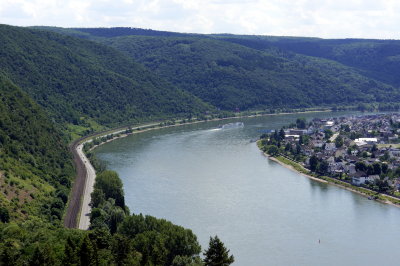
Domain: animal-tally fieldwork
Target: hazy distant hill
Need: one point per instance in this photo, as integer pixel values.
(245, 72)
(72, 78)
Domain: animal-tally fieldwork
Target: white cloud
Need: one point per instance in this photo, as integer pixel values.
(322, 18)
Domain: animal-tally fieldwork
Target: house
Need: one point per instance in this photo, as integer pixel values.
(359, 178)
(292, 137)
(340, 152)
(330, 159)
(394, 152)
(317, 143)
(372, 178)
(299, 132)
(365, 141)
(352, 159)
(350, 169)
(330, 146)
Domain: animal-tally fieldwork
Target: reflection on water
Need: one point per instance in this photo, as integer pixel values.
(217, 182)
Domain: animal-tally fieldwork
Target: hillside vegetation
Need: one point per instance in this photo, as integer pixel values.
(83, 83)
(35, 165)
(377, 59)
(252, 72)
(232, 76)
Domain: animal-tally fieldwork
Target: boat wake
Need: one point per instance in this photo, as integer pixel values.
(232, 125)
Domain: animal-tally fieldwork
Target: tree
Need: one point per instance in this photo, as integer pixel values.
(328, 133)
(323, 167)
(4, 215)
(385, 168)
(43, 255)
(301, 123)
(123, 251)
(111, 185)
(70, 253)
(370, 169)
(217, 254)
(282, 134)
(377, 168)
(98, 197)
(288, 147)
(313, 163)
(339, 142)
(298, 149)
(272, 150)
(87, 252)
(361, 166)
(187, 261)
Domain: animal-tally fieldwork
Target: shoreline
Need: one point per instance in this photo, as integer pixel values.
(290, 167)
(149, 127)
(80, 187)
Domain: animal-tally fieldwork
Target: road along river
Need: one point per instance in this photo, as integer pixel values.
(217, 182)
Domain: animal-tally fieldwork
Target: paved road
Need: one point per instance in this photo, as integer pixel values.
(333, 138)
(84, 218)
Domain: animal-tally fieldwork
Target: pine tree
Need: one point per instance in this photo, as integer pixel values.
(70, 253)
(87, 252)
(217, 254)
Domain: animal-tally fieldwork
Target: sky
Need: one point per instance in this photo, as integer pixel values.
(379, 19)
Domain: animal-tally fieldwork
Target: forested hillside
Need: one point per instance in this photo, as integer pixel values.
(35, 166)
(232, 76)
(250, 72)
(377, 59)
(74, 78)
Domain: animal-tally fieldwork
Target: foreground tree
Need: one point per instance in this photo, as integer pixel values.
(217, 254)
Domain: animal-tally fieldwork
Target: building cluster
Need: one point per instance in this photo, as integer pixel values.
(361, 149)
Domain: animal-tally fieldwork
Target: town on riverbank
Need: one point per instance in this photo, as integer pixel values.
(360, 152)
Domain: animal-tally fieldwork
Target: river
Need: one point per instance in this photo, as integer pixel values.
(216, 182)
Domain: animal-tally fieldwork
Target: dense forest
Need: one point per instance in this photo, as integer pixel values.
(82, 83)
(231, 76)
(254, 72)
(377, 59)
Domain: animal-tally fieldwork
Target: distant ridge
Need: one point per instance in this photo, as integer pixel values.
(256, 72)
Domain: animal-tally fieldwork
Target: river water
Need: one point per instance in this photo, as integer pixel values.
(216, 182)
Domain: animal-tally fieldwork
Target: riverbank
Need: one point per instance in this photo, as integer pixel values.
(298, 168)
(79, 192)
(156, 126)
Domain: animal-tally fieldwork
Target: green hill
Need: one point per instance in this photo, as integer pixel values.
(233, 76)
(377, 59)
(84, 83)
(35, 165)
(251, 72)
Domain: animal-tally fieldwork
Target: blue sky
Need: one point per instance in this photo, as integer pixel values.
(314, 18)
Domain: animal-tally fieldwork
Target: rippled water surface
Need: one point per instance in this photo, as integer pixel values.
(217, 182)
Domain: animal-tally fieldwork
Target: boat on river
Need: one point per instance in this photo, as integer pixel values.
(232, 125)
